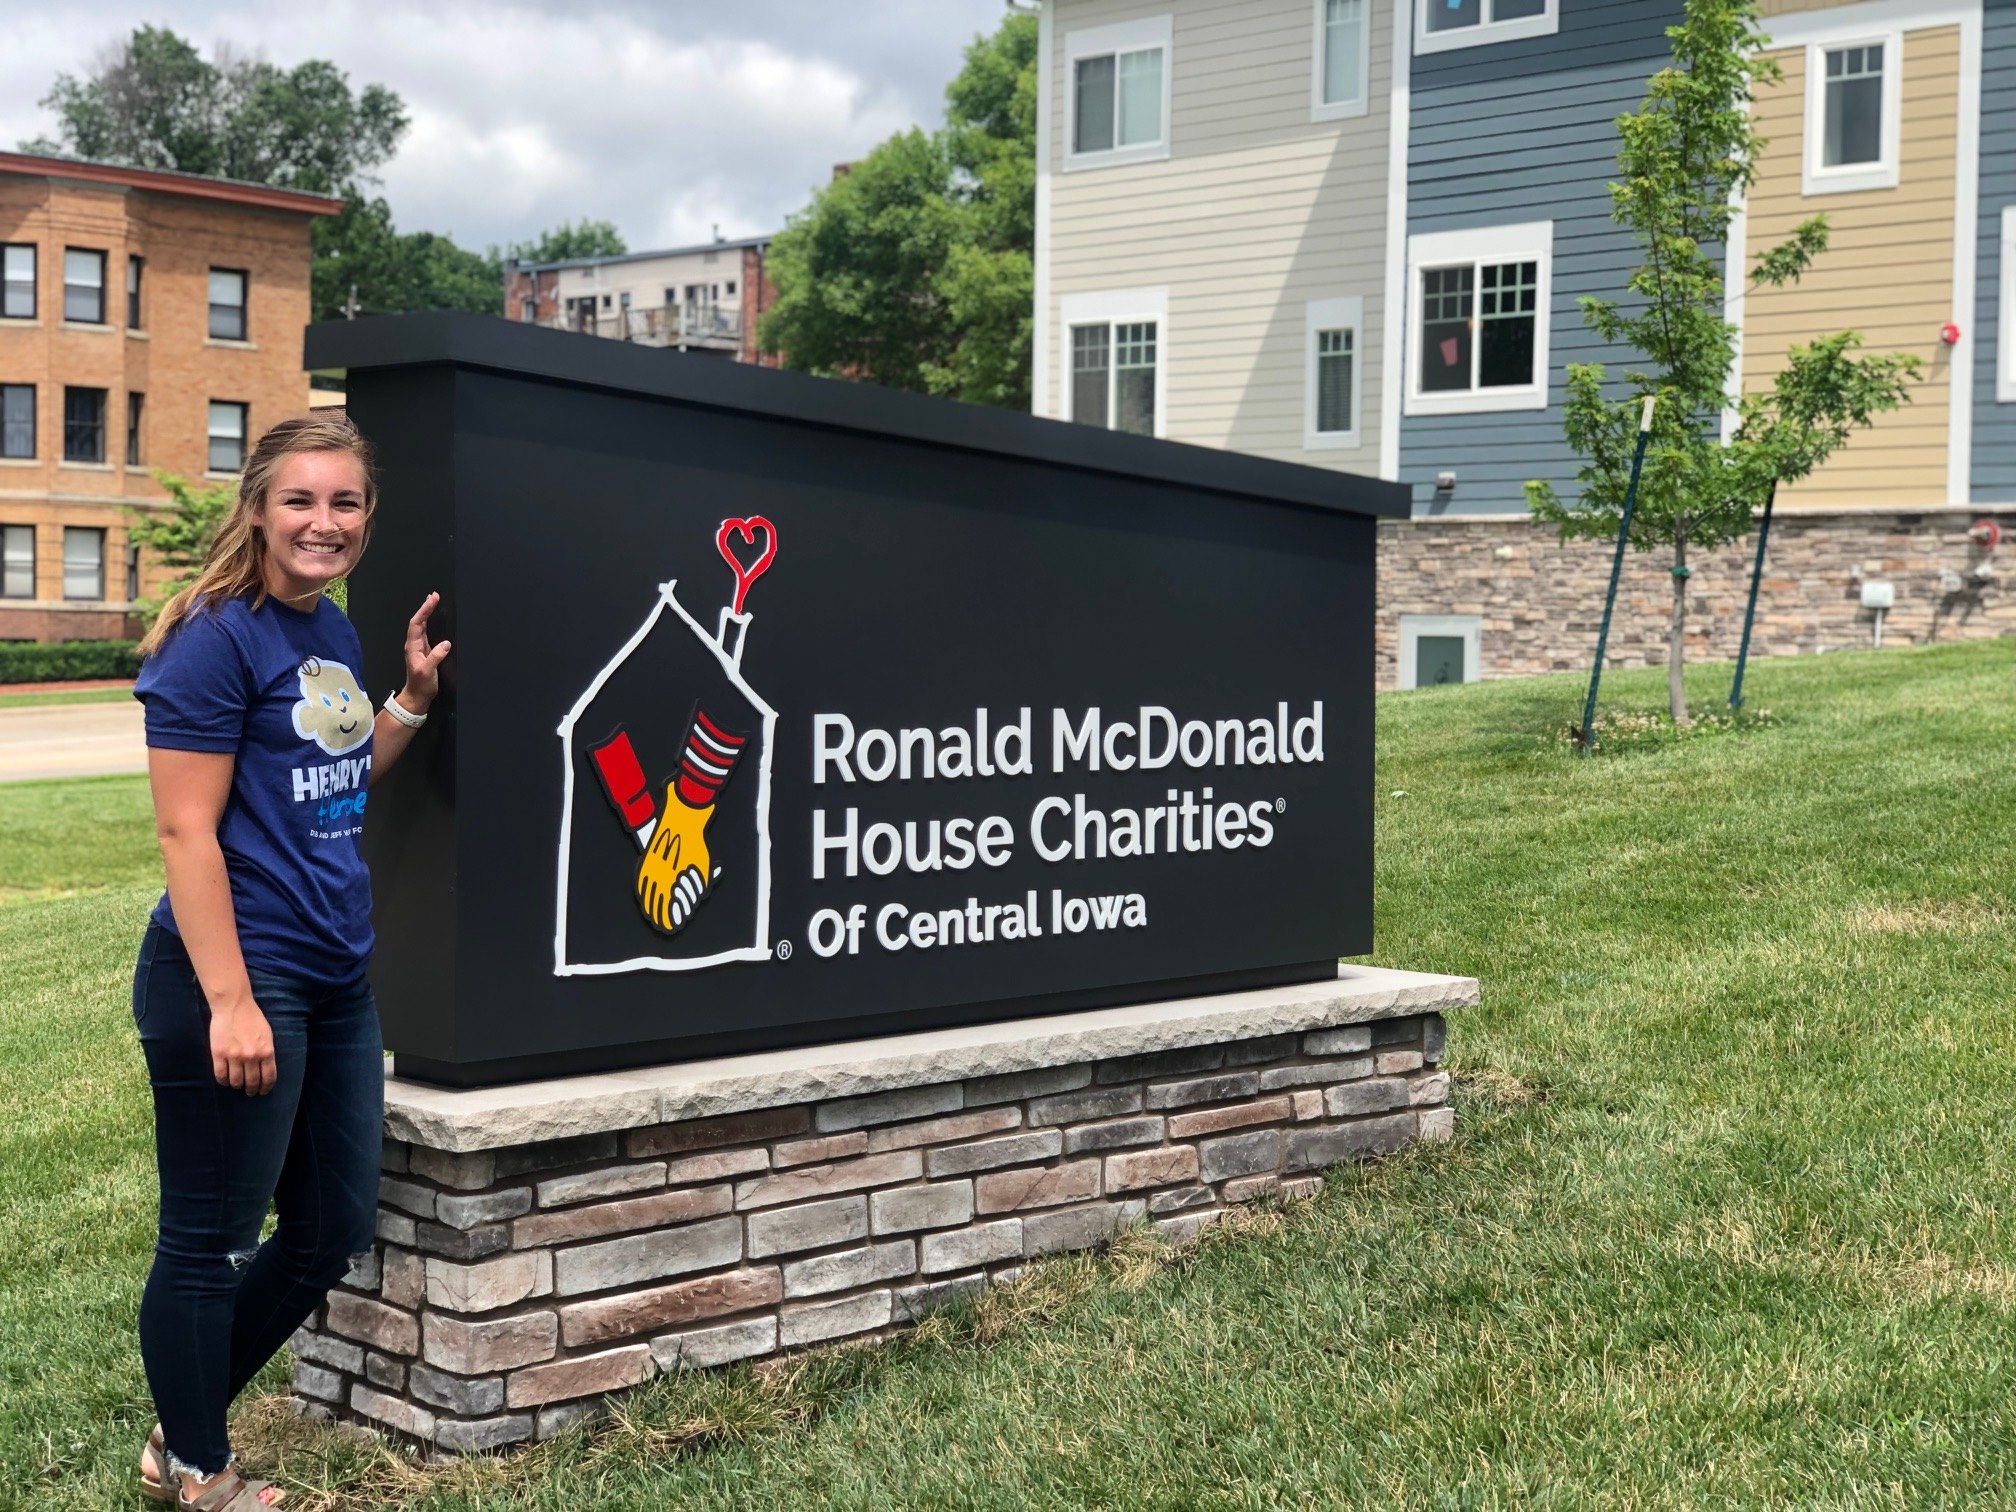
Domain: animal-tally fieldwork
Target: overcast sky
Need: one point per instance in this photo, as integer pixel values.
(664, 116)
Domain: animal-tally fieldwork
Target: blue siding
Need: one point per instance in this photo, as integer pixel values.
(1994, 461)
(1525, 131)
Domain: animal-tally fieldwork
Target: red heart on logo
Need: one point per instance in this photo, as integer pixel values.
(746, 529)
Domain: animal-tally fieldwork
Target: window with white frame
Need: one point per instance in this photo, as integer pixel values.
(227, 304)
(17, 281)
(1478, 319)
(83, 286)
(1854, 96)
(1333, 374)
(1343, 48)
(1440, 648)
(1115, 348)
(83, 562)
(226, 436)
(1118, 89)
(17, 561)
(17, 420)
(1444, 24)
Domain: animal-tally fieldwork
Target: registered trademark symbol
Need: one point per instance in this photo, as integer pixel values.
(783, 950)
(1280, 805)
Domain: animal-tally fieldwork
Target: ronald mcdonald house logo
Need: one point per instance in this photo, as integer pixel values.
(665, 860)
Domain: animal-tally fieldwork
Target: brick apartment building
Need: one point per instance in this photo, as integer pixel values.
(147, 319)
(705, 298)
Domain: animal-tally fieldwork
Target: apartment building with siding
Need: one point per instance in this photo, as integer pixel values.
(1212, 211)
(147, 319)
(706, 298)
(1496, 220)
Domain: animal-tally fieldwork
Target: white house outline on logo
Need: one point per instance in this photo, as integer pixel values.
(731, 666)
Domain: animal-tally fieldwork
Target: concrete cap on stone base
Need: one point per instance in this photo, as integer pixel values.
(487, 1118)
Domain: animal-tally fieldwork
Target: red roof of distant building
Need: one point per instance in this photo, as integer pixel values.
(163, 181)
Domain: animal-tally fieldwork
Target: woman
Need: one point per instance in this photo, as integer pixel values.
(259, 1028)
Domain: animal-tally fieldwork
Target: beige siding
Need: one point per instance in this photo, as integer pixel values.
(1257, 211)
(1770, 8)
(1888, 272)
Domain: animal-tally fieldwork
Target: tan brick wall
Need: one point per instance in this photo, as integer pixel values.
(1540, 600)
(169, 358)
(510, 1289)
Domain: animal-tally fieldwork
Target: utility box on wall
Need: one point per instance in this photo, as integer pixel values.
(785, 710)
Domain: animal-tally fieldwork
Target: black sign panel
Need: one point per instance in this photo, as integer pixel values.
(785, 710)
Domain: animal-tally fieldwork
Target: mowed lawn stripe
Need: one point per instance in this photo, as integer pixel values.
(1722, 1225)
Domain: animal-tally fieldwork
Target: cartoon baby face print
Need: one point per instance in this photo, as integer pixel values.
(333, 712)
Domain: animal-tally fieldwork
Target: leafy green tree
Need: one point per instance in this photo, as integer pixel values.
(180, 535)
(591, 238)
(915, 268)
(857, 274)
(153, 101)
(1682, 159)
(363, 255)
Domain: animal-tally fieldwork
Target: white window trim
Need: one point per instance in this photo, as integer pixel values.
(1121, 36)
(1817, 179)
(1342, 110)
(1343, 313)
(1414, 626)
(1533, 241)
(1546, 24)
(1113, 308)
(2005, 365)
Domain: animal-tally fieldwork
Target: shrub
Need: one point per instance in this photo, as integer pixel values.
(71, 661)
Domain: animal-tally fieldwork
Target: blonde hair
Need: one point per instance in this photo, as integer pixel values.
(235, 566)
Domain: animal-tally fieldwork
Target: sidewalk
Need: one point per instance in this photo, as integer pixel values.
(72, 740)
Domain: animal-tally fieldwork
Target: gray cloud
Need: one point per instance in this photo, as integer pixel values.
(667, 118)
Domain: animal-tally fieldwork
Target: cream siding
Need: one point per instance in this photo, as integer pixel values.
(1888, 272)
(1257, 211)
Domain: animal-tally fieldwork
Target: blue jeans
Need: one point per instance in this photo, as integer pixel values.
(219, 1304)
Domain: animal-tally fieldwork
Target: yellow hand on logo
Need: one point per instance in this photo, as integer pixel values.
(676, 873)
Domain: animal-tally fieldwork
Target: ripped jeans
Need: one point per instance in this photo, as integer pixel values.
(219, 1304)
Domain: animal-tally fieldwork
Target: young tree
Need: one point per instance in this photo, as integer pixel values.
(179, 535)
(914, 268)
(1682, 160)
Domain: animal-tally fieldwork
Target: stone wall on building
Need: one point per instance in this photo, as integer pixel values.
(1540, 600)
(512, 1288)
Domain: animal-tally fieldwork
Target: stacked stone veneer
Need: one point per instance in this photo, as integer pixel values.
(1539, 600)
(512, 1287)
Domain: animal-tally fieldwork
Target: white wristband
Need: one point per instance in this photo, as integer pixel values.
(400, 712)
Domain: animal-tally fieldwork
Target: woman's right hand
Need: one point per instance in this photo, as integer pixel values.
(241, 1049)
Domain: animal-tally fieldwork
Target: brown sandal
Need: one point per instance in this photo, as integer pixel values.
(154, 1477)
(231, 1492)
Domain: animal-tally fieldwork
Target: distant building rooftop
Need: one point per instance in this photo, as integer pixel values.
(167, 181)
(734, 245)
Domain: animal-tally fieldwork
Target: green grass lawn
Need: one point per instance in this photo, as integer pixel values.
(67, 696)
(1721, 1225)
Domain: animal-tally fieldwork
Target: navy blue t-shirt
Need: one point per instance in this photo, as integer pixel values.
(277, 688)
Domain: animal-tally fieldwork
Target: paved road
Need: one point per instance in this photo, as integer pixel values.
(71, 740)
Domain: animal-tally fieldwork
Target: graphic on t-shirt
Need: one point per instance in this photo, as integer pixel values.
(333, 712)
(683, 881)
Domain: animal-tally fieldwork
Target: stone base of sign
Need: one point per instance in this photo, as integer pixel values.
(543, 1245)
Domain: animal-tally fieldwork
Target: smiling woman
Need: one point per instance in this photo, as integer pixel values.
(260, 1031)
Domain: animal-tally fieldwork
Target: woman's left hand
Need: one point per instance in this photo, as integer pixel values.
(423, 662)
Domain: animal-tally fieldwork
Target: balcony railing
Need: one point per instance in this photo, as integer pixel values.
(675, 325)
